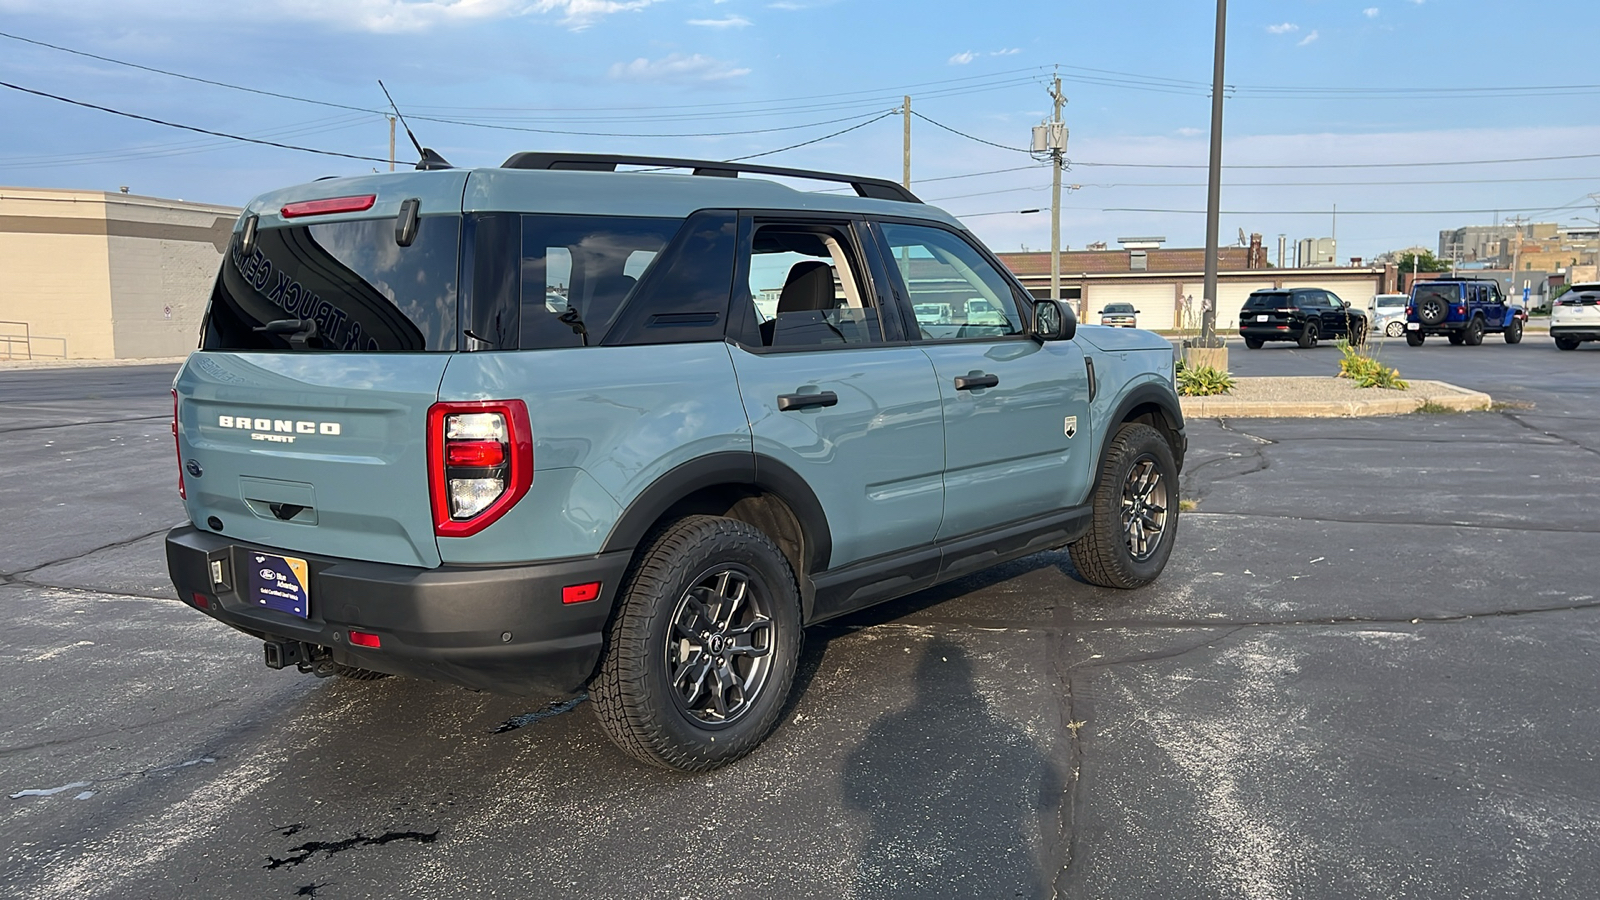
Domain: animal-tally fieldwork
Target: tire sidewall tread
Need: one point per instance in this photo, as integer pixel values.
(1101, 556)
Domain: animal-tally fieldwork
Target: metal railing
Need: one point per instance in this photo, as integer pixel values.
(18, 342)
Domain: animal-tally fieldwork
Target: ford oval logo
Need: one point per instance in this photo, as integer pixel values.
(193, 468)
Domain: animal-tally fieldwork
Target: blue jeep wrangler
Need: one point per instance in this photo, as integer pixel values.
(1463, 310)
(555, 427)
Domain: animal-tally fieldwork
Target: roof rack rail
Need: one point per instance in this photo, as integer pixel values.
(874, 188)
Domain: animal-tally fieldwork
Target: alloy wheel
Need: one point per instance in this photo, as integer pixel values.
(1144, 509)
(718, 652)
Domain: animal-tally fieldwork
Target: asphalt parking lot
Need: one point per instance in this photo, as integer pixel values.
(1368, 671)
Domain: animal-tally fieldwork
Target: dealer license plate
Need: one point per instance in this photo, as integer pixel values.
(1262, 318)
(1413, 326)
(282, 583)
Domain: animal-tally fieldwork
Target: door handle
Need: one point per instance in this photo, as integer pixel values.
(973, 382)
(787, 402)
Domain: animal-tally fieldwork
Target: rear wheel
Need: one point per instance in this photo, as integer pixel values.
(1514, 333)
(1566, 343)
(1394, 329)
(1473, 336)
(1135, 512)
(1253, 343)
(702, 653)
(1414, 338)
(1308, 337)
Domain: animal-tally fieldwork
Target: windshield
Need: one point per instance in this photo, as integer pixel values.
(364, 291)
(1119, 308)
(1275, 300)
(1391, 302)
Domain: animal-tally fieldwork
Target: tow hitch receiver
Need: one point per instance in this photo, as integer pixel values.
(307, 658)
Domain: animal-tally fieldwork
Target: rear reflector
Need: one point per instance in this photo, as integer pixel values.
(327, 207)
(580, 593)
(202, 601)
(364, 639)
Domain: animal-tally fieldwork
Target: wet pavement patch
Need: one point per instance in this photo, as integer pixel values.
(304, 852)
(549, 710)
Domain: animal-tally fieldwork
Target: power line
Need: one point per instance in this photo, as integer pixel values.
(1349, 212)
(1405, 165)
(965, 135)
(816, 140)
(222, 134)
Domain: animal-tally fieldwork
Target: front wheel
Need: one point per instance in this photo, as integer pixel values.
(1135, 511)
(1357, 334)
(1514, 333)
(1394, 329)
(702, 653)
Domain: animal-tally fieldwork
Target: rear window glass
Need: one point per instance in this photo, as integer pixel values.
(364, 292)
(578, 271)
(1445, 292)
(1269, 301)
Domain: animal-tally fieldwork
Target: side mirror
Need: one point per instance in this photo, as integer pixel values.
(1137, 311)
(1053, 321)
(1345, 303)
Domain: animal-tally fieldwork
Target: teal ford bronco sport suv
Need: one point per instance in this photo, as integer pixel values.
(555, 427)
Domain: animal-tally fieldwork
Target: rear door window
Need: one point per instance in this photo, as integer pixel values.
(363, 291)
(578, 271)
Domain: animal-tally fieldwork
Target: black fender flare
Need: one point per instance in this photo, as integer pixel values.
(1149, 393)
(733, 468)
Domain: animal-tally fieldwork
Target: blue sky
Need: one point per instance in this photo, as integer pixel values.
(1322, 85)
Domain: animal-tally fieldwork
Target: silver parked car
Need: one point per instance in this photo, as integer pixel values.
(1389, 314)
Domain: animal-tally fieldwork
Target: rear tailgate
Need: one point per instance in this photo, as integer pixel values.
(317, 453)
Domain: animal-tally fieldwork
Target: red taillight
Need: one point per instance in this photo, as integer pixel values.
(202, 601)
(1461, 310)
(327, 207)
(182, 493)
(480, 463)
(474, 454)
(580, 593)
(364, 639)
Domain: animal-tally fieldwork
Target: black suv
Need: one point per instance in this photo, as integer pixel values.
(1302, 315)
(1463, 310)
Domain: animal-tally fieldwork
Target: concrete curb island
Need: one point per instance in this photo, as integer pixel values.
(1249, 402)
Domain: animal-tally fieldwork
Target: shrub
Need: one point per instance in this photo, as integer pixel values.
(1365, 369)
(1203, 381)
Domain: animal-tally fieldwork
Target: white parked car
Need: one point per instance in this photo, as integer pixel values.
(1389, 314)
(1575, 318)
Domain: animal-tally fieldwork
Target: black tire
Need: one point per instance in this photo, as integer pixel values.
(1358, 332)
(1112, 554)
(1395, 328)
(1566, 343)
(678, 584)
(1432, 310)
(355, 673)
(1253, 343)
(1414, 338)
(1308, 336)
(1513, 334)
(1473, 335)
(1456, 338)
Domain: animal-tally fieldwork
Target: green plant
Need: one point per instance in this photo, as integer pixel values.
(1432, 408)
(1203, 381)
(1363, 367)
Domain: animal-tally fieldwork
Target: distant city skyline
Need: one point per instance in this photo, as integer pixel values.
(1330, 104)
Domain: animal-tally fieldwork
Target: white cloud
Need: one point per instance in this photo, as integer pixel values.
(961, 59)
(1370, 12)
(729, 22)
(677, 67)
(1285, 28)
(1009, 51)
(1307, 39)
(382, 16)
(579, 14)
(1191, 132)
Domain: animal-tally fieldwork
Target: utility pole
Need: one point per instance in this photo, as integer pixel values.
(1280, 250)
(391, 143)
(905, 177)
(1208, 317)
(1058, 146)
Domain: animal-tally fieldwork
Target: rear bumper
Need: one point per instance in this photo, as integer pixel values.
(1271, 332)
(1588, 332)
(501, 629)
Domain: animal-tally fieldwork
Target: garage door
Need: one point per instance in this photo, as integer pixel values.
(1153, 301)
(1230, 299)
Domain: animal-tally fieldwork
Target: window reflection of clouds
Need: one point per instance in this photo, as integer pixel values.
(368, 248)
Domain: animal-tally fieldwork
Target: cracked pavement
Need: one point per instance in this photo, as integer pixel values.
(1366, 672)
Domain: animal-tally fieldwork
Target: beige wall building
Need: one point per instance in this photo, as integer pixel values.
(93, 275)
